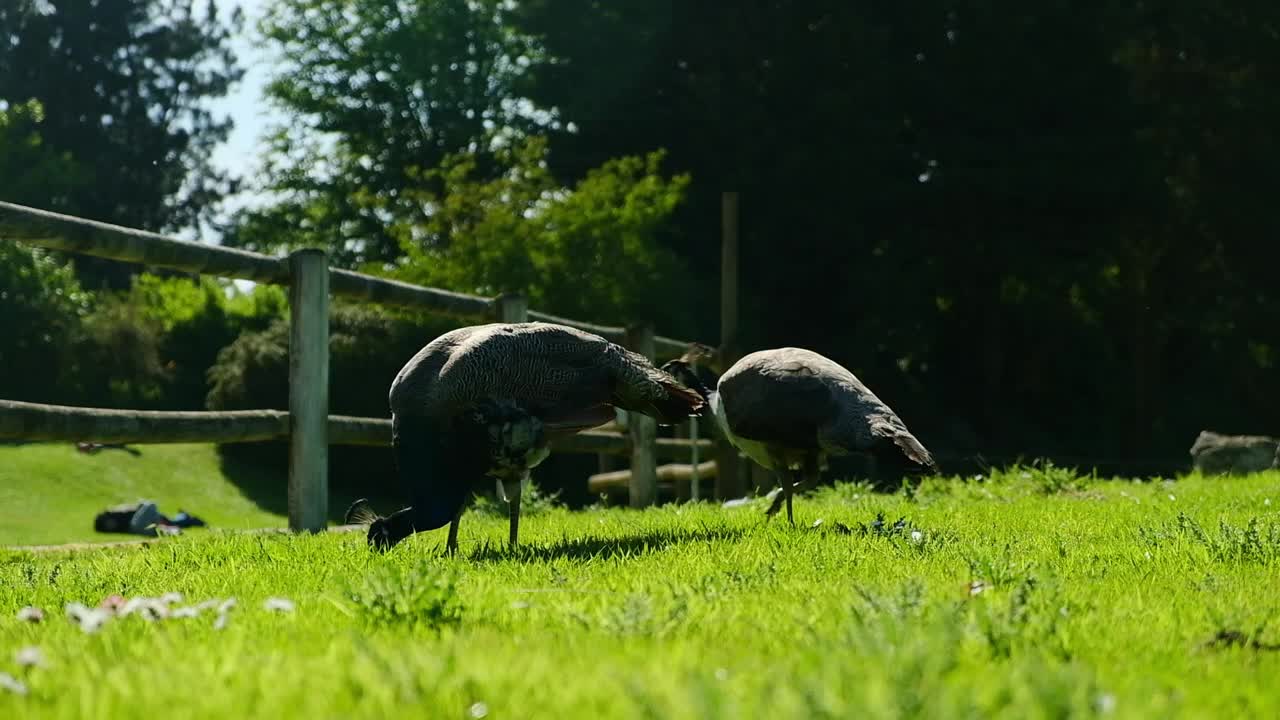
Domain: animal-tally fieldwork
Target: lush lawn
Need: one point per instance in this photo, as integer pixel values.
(1095, 599)
(50, 493)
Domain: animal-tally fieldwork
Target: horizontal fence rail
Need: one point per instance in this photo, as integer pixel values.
(40, 422)
(308, 425)
(55, 231)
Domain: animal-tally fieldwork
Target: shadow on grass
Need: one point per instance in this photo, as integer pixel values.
(604, 548)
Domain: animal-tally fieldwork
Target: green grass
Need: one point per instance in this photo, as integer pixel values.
(50, 493)
(1098, 600)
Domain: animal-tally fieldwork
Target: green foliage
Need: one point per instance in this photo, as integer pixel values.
(588, 252)
(153, 346)
(1253, 542)
(696, 611)
(125, 87)
(48, 177)
(120, 352)
(367, 347)
(421, 596)
(41, 306)
(394, 87)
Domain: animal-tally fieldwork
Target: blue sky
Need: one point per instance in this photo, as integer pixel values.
(245, 103)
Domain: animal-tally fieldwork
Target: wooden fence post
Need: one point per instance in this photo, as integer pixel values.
(643, 430)
(729, 473)
(308, 390)
(511, 308)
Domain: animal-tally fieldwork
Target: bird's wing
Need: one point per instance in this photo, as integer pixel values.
(780, 401)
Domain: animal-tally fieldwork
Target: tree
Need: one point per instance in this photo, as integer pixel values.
(50, 178)
(589, 252)
(1043, 225)
(124, 86)
(378, 93)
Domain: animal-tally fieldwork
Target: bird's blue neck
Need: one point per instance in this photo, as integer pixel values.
(434, 471)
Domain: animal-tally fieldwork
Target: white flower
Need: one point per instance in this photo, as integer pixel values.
(917, 537)
(976, 587)
(278, 604)
(224, 610)
(29, 656)
(149, 608)
(478, 710)
(89, 619)
(10, 683)
(31, 614)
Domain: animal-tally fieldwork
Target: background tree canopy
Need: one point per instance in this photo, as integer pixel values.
(1036, 229)
(122, 86)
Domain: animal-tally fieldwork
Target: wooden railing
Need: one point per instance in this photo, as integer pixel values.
(307, 424)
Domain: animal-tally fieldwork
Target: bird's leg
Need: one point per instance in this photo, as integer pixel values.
(513, 502)
(786, 482)
(791, 488)
(452, 546)
(777, 495)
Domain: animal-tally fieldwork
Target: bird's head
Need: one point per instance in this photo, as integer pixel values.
(686, 374)
(379, 535)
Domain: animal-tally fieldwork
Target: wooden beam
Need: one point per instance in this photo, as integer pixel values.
(667, 348)
(608, 332)
(309, 391)
(56, 231)
(38, 422)
(511, 308)
(619, 480)
(359, 286)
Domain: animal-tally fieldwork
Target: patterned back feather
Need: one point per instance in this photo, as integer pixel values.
(552, 370)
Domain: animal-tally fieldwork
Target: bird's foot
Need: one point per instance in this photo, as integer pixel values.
(777, 497)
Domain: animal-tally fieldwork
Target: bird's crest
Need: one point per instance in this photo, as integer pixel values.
(361, 513)
(697, 354)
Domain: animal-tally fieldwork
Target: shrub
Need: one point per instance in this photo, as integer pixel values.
(152, 346)
(41, 308)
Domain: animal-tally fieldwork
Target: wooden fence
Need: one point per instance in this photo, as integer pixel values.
(307, 424)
